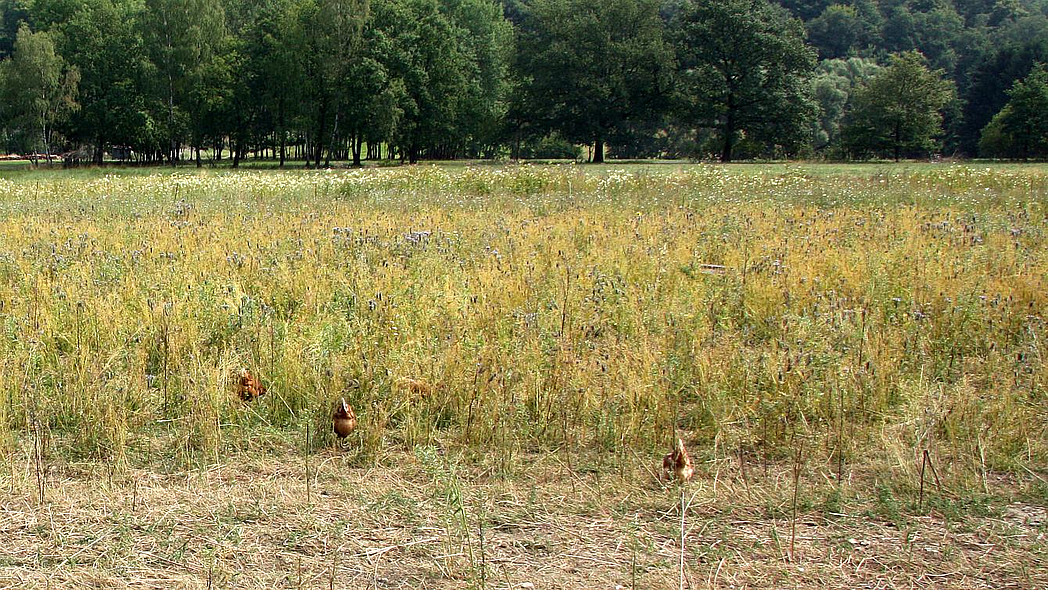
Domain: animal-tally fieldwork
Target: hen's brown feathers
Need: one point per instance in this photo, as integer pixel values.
(677, 464)
(343, 420)
(249, 387)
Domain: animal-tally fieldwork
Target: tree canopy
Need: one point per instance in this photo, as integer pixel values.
(744, 72)
(899, 112)
(37, 89)
(1020, 129)
(317, 81)
(591, 67)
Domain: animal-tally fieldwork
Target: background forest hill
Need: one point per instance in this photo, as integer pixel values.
(323, 80)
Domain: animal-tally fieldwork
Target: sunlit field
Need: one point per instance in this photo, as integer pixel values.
(832, 326)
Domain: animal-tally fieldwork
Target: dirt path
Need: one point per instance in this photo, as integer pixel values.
(251, 525)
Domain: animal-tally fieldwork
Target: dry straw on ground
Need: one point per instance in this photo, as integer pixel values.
(248, 524)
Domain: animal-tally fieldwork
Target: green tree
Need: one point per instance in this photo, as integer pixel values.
(340, 26)
(587, 67)
(1010, 54)
(833, 87)
(13, 14)
(39, 90)
(486, 40)
(746, 72)
(805, 9)
(932, 27)
(271, 83)
(375, 96)
(899, 111)
(845, 29)
(937, 33)
(210, 97)
(182, 38)
(995, 141)
(103, 40)
(1021, 128)
(836, 32)
(434, 74)
(899, 32)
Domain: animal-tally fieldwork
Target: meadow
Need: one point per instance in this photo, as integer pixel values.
(868, 334)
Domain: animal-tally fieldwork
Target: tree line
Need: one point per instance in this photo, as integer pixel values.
(163, 81)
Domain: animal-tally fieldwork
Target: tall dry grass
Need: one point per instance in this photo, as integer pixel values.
(869, 317)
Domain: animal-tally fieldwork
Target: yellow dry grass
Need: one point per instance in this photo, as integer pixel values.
(860, 318)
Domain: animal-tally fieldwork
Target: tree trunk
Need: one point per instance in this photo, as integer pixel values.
(318, 144)
(898, 141)
(171, 119)
(598, 151)
(283, 132)
(729, 136)
(331, 143)
(47, 145)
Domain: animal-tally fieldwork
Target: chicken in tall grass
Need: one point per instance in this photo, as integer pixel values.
(677, 464)
(343, 421)
(249, 387)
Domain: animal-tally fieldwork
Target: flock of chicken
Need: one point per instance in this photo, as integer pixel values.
(675, 465)
(343, 420)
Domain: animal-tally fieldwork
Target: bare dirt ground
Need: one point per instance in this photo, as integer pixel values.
(260, 524)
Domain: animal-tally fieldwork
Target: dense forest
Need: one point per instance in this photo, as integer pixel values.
(317, 81)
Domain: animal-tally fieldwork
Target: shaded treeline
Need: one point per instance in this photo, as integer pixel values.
(162, 81)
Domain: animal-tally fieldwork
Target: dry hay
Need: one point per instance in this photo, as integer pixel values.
(249, 524)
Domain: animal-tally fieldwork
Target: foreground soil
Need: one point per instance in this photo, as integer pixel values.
(424, 523)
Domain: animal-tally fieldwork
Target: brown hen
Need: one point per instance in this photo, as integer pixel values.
(249, 387)
(343, 421)
(415, 387)
(677, 464)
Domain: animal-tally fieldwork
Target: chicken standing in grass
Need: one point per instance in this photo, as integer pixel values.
(414, 387)
(343, 421)
(677, 464)
(249, 387)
